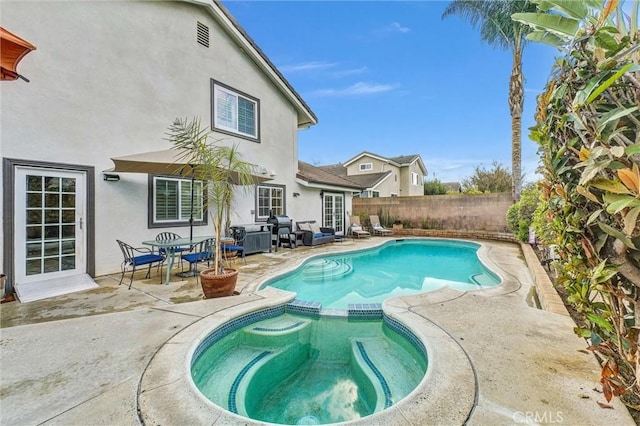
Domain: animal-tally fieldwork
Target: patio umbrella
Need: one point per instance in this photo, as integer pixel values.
(12, 50)
(170, 162)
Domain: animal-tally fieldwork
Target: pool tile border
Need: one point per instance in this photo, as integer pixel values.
(365, 311)
(378, 374)
(404, 331)
(234, 325)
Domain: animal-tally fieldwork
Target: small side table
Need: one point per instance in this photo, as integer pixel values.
(299, 237)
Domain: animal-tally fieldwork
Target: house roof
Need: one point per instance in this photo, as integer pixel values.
(317, 175)
(399, 161)
(306, 117)
(368, 180)
(452, 186)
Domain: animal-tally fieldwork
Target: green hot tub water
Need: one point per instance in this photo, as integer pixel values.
(301, 370)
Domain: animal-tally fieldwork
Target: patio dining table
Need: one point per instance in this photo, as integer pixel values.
(170, 247)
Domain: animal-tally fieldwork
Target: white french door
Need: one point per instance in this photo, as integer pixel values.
(50, 224)
(333, 211)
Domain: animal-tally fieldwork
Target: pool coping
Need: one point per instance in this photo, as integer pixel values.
(167, 395)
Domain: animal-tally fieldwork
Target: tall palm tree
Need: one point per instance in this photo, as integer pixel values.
(493, 17)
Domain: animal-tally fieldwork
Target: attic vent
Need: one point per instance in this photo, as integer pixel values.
(203, 34)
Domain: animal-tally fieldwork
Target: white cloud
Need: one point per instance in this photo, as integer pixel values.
(392, 28)
(306, 66)
(348, 72)
(399, 28)
(360, 88)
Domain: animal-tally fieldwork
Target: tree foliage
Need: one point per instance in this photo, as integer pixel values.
(221, 167)
(587, 128)
(493, 18)
(496, 179)
(520, 215)
(434, 187)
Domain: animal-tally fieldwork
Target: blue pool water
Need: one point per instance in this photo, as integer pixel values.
(280, 367)
(394, 269)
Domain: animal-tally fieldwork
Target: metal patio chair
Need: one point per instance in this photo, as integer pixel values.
(168, 236)
(138, 256)
(203, 252)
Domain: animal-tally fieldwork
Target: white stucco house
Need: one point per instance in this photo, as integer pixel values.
(106, 80)
(380, 176)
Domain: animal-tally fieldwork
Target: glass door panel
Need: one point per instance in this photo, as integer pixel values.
(49, 213)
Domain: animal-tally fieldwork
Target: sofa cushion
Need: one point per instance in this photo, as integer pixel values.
(315, 228)
(304, 226)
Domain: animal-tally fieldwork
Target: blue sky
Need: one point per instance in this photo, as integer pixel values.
(394, 78)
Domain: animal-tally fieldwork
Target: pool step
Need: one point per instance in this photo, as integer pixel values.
(278, 332)
(221, 375)
(326, 269)
(377, 357)
(483, 280)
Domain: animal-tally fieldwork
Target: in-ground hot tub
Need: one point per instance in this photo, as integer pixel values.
(283, 368)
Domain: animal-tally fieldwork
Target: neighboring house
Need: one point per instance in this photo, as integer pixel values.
(106, 80)
(452, 186)
(383, 177)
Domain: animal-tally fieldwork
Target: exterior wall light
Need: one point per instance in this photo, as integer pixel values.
(110, 177)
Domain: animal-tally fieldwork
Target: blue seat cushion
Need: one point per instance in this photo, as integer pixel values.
(318, 235)
(146, 259)
(197, 257)
(326, 234)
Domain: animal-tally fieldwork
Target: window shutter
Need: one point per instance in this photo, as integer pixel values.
(166, 199)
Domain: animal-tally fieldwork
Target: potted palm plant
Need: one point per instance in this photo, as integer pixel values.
(223, 171)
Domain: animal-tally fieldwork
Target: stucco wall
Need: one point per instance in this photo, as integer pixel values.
(447, 212)
(408, 188)
(107, 79)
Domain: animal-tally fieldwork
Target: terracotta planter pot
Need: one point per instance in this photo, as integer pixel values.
(218, 285)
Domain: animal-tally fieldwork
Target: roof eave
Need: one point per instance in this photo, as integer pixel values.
(323, 185)
(306, 117)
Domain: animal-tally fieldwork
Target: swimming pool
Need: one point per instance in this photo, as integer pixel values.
(333, 354)
(292, 369)
(396, 268)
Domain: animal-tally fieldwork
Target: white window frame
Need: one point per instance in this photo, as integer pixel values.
(262, 211)
(415, 179)
(183, 218)
(365, 167)
(229, 120)
(369, 194)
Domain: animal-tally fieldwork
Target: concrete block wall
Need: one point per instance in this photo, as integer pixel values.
(485, 212)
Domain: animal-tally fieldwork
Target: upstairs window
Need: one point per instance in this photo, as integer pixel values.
(234, 112)
(366, 166)
(415, 178)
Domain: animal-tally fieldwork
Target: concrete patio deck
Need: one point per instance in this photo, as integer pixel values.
(113, 356)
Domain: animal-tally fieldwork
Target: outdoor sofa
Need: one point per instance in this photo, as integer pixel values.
(313, 234)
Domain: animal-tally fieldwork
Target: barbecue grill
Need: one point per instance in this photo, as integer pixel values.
(279, 224)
